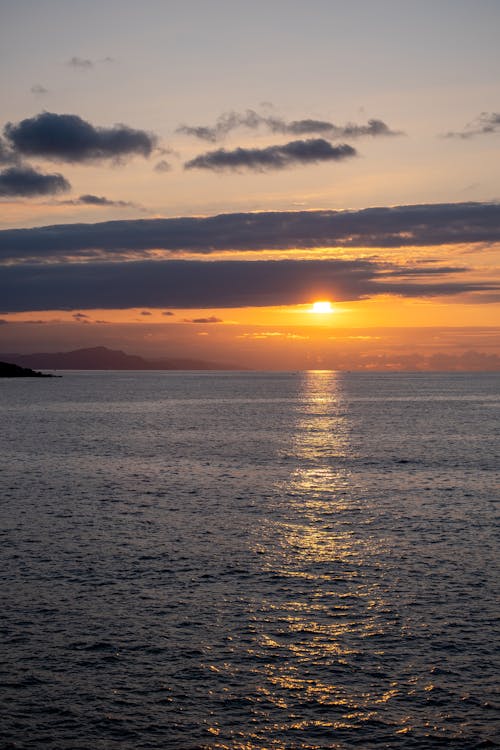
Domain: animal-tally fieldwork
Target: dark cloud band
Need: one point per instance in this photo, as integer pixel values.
(385, 227)
(69, 138)
(202, 284)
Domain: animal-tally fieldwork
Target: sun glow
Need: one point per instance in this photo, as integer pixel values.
(322, 307)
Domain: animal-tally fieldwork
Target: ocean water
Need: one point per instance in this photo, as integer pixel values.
(249, 561)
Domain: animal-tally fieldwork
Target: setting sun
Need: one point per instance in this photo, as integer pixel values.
(322, 307)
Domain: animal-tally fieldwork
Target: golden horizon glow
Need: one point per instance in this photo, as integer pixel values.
(377, 312)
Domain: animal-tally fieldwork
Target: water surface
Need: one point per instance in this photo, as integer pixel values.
(249, 561)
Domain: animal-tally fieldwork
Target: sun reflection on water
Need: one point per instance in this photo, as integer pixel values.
(322, 627)
(311, 640)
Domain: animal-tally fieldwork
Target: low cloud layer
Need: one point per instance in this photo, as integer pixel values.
(485, 124)
(25, 182)
(384, 227)
(252, 120)
(69, 138)
(201, 284)
(291, 154)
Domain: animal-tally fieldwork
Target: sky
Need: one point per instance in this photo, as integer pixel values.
(190, 178)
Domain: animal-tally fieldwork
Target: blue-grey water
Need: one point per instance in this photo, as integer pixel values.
(249, 560)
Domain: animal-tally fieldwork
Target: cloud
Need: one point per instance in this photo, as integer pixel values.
(100, 200)
(224, 125)
(211, 319)
(485, 124)
(81, 318)
(230, 121)
(84, 64)
(162, 166)
(373, 128)
(201, 284)
(96, 200)
(7, 155)
(145, 312)
(27, 182)
(80, 63)
(69, 138)
(421, 225)
(38, 89)
(168, 313)
(310, 151)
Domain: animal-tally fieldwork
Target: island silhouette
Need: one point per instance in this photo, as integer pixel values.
(102, 358)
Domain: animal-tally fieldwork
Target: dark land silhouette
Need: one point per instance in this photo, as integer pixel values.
(101, 358)
(9, 370)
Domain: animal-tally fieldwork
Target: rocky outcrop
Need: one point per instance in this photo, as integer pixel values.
(8, 370)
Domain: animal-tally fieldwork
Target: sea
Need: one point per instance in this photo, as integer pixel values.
(249, 561)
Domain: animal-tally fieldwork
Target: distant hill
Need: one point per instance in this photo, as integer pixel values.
(8, 370)
(101, 358)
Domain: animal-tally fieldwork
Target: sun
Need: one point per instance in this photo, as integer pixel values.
(322, 307)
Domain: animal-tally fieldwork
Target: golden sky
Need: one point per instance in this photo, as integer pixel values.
(163, 173)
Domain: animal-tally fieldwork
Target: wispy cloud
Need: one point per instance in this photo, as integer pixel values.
(38, 89)
(83, 64)
(252, 120)
(69, 138)
(291, 154)
(486, 124)
(27, 182)
(80, 63)
(162, 166)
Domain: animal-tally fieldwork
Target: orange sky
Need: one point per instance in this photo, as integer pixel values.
(381, 311)
(130, 156)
